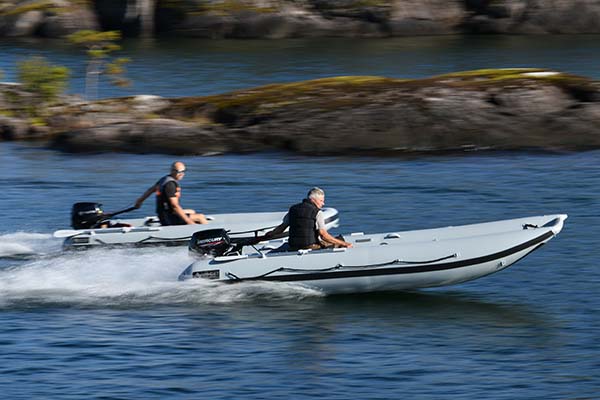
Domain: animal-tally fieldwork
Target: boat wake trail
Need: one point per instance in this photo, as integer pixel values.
(23, 245)
(124, 278)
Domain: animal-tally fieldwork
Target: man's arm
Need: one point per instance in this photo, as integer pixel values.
(278, 230)
(174, 201)
(140, 200)
(326, 236)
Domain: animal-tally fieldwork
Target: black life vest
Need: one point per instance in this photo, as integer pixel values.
(303, 219)
(163, 205)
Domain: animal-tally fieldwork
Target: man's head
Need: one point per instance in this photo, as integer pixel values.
(316, 196)
(177, 170)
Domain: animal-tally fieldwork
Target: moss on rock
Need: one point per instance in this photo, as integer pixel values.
(227, 7)
(330, 92)
(17, 9)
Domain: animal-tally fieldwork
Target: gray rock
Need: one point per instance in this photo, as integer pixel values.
(13, 128)
(534, 17)
(56, 19)
(60, 24)
(27, 24)
(148, 103)
(152, 136)
(423, 17)
(478, 110)
(314, 18)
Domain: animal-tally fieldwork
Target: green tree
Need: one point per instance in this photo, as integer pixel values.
(99, 47)
(44, 81)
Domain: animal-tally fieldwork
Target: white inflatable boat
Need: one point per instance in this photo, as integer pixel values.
(149, 232)
(378, 262)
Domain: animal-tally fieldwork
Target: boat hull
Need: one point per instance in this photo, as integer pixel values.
(392, 261)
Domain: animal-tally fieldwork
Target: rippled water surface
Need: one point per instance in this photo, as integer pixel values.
(118, 324)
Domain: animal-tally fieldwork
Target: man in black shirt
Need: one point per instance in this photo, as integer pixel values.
(307, 225)
(168, 193)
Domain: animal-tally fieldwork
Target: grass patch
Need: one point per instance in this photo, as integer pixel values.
(21, 9)
(351, 91)
(226, 7)
(37, 121)
(7, 113)
(355, 4)
(498, 75)
(42, 5)
(344, 92)
(290, 93)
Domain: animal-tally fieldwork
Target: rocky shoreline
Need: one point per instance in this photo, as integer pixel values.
(474, 111)
(297, 18)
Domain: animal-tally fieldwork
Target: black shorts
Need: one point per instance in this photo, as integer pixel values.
(167, 218)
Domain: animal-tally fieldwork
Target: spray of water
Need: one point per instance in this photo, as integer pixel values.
(27, 244)
(123, 278)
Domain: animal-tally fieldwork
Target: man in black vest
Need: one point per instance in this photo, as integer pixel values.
(307, 225)
(168, 193)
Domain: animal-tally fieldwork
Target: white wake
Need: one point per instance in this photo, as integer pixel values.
(124, 277)
(23, 244)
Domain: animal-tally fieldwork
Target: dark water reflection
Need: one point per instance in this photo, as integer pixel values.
(188, 67)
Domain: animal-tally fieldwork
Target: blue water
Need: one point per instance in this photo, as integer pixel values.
(116, 324)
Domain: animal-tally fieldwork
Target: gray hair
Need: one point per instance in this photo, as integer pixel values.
(315, 192)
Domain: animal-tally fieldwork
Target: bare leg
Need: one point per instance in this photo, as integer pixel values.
(199, 218)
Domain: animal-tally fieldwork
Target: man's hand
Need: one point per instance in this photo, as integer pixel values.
(331, 240)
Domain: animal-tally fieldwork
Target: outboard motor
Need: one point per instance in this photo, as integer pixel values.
(210, 243)
(86, 215)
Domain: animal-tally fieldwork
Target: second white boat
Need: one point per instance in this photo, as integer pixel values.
(378, 262)
(149, 232)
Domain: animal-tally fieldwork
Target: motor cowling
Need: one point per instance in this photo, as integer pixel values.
(86, 215)
(210, 243)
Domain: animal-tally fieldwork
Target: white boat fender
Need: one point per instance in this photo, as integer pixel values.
(64, 233)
